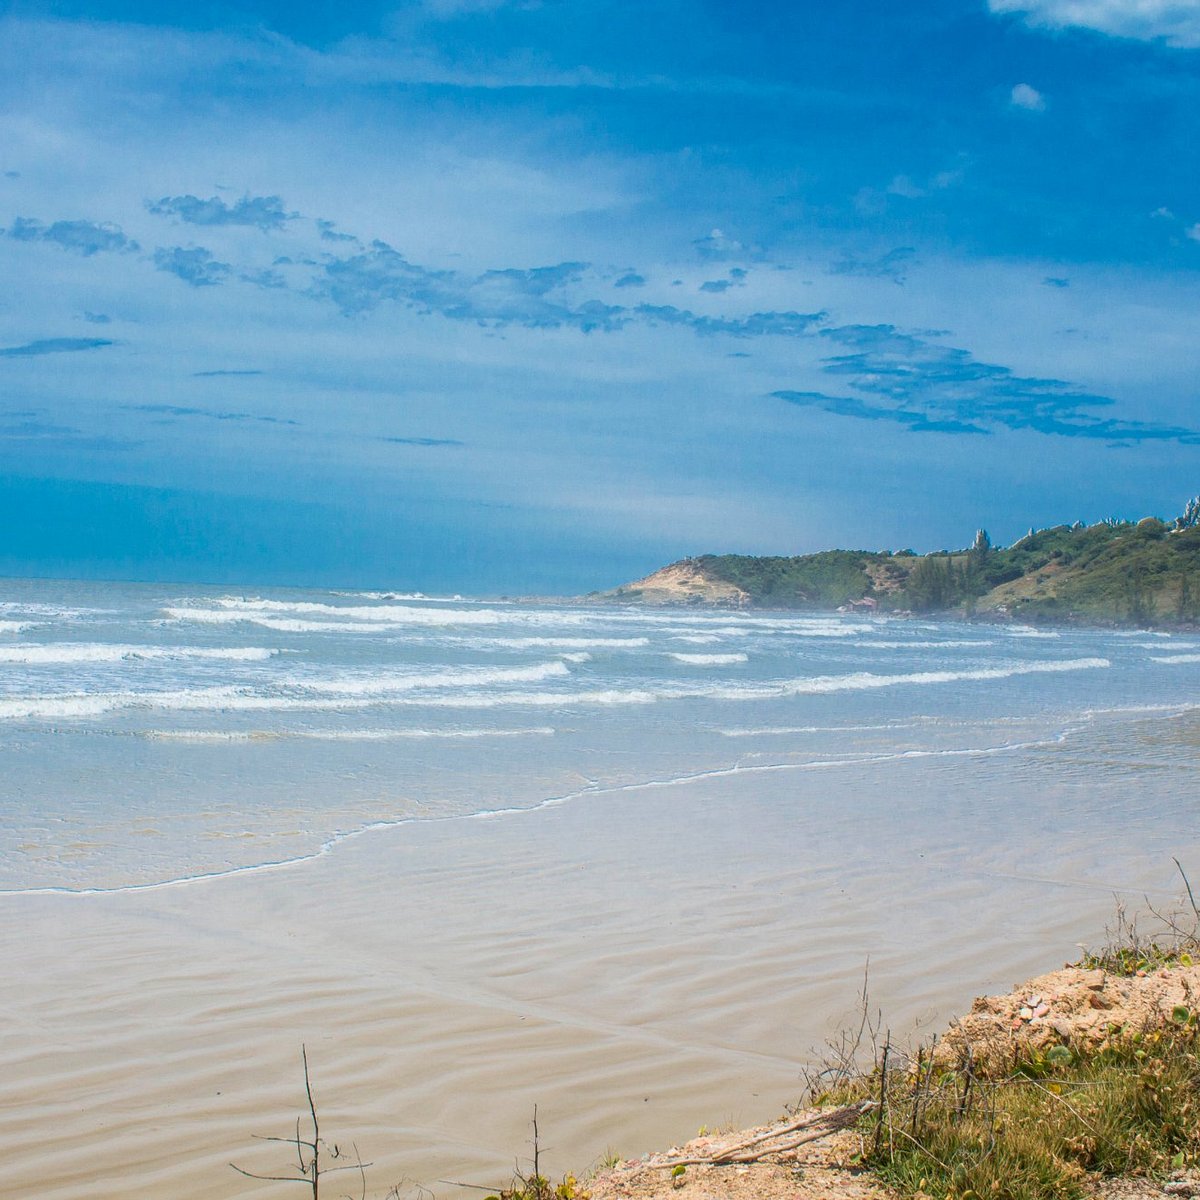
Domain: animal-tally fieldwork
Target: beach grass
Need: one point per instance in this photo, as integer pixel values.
(1041, 1131)
(1053, 1118)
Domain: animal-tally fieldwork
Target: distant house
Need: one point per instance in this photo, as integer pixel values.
(866, 604)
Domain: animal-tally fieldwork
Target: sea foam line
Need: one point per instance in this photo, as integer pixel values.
(346, 616)
(82, 652)
(557, 643)
(941, 645)
(341, 837)
(389, 693)
(336, 735)
(709, 660)
(321, 694)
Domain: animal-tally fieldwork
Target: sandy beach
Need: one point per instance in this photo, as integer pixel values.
(637, 964)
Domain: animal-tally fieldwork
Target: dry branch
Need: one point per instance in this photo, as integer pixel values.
(810, 1128)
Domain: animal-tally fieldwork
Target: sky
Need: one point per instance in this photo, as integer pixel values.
(510, 296)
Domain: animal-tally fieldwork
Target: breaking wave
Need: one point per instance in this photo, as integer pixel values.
(710, 660)
(99, 652)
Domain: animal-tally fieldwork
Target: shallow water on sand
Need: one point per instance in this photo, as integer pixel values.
(628, 865)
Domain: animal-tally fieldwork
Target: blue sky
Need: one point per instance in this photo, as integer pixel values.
(509, 295)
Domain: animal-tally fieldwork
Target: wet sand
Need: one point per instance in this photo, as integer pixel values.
(636, 964)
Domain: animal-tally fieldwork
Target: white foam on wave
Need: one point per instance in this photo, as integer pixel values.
(363, 692)
(1175, 658)
(376, 618)
(381, 685)
(22, 609)
(723, 621)
(695, 639)
(15, 626)
(709, 660)
(867, 680)
(1025, 631)
(405, 614)
(785, 730)
(576, 656)
(556, 643)
(932, 645)
(770, 690)
(102, 652)
(338, 735)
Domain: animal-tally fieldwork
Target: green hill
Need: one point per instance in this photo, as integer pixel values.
(1143, 572)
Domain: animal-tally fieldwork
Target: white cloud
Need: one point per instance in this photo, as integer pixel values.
(1194, 232)
(1028, 97)
(1175, 22)
(902, 185)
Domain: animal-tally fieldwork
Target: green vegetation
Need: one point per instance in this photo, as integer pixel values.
(1130, 1108)
(1145, 572)
(538, 1187)
(1039, 1122)
(811, 580)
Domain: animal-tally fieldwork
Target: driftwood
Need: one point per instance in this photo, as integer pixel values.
(809, 1128)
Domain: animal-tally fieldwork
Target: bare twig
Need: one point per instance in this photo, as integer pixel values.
(310, 1168)
(810, 1129)
(1187, 884)
(883, 1068)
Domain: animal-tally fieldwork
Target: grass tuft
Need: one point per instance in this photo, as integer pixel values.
(1131, 1108)
(1049, 1121)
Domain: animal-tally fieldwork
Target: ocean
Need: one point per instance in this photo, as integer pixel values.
(152, 734)
(628, 864)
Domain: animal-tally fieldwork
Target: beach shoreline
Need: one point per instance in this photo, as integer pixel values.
(636, 967)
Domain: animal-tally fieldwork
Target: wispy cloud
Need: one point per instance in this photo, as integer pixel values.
(718, 246)
(54, 346)
(259, 212)
(329, 233)
(850, 406)
(195, 265)
(928, 387)
(885, 266)
(421, 441)
(1173, 22)
(62, 436)
(537, 297)
(81, 237)
(173, 411)
(775, 324)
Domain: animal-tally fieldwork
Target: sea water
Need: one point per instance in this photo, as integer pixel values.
(153, 734)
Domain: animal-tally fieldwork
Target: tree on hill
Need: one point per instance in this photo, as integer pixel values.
(934, 584)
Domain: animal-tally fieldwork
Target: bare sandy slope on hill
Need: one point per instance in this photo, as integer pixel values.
(1073, 1007)
(682, 583)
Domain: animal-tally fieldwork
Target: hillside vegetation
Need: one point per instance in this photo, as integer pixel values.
(1143, 572)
